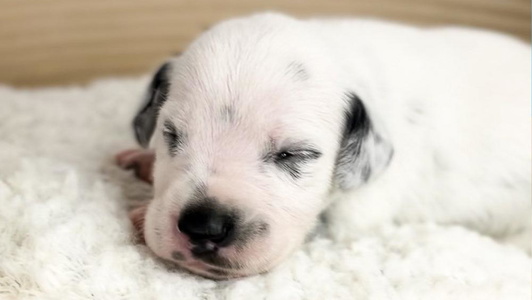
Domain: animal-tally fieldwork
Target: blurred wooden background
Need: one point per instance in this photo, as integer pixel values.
(51, 42)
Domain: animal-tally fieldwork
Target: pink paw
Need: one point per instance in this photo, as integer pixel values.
(140, 160)
(136, 216)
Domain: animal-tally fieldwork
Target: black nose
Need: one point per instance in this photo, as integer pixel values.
(205, 224)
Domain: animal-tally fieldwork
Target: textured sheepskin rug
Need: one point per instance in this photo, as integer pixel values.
(65, 233)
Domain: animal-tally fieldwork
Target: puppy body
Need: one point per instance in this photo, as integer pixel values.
(455, 105)
(278, 119)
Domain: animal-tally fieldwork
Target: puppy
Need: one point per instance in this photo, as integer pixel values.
(266, 122)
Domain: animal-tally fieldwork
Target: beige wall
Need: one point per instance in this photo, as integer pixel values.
(44, 42)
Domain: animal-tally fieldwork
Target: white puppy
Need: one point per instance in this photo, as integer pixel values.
(264, 122)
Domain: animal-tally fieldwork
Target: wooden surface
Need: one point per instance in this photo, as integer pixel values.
(50, 42)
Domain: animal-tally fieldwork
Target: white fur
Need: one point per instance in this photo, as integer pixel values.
(65, 234)
(454, 104)
(64, 231)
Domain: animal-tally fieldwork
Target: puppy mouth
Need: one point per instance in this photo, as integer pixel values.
(214, 259)
(216, 273)
(206, 259)
(183, 262)
(208, 264)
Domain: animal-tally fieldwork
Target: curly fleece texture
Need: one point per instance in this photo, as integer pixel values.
(65, 233)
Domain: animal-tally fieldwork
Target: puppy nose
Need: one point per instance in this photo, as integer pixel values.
(206, 224)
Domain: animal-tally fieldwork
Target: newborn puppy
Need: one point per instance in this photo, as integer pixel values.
(266, 122)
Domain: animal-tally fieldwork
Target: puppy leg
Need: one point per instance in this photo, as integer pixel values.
(136, 216)
(140, 160)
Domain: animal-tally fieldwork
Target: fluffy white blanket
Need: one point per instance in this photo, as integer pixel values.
(65, 234)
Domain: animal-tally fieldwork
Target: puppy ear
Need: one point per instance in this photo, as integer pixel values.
(144, 122)
(364, 153)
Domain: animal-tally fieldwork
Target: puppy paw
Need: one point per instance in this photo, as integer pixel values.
(136, 216)
(140, 160)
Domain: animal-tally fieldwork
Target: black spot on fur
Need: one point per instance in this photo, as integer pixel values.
(298, 70)
(363, 152)
(144, 122)
(228, 113)
(356, 118)
(176, 255)
(247, 232)
(356, 128)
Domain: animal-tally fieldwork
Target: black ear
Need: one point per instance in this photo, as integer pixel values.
(144, 122)
(363, 153)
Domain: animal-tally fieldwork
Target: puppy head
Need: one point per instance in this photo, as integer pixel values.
(251, 134)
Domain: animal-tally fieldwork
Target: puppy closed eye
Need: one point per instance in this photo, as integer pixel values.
(172, 137)
(291, 161)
